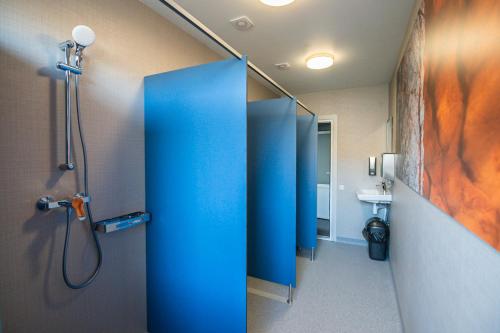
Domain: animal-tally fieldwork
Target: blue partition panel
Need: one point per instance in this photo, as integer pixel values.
(272, 131)
(196, 176)
(307, 159)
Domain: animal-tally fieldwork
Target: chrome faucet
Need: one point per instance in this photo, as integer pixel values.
(77, 203)
(386, 185)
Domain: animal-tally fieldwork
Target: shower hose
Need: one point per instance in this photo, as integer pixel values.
(92, 277)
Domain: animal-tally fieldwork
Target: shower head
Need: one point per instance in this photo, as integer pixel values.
(83, 36)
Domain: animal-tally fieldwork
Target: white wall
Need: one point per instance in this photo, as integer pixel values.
(447, 279)
(362, 114)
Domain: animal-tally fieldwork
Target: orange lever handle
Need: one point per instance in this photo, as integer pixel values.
(78, 205)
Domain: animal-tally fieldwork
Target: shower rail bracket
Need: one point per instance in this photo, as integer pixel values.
(67, 44)
(65, 67)
(67, 166)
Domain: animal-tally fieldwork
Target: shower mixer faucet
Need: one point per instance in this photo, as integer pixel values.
(77, 202)
(83, 36)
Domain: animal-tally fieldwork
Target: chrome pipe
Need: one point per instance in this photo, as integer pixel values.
(66, 47)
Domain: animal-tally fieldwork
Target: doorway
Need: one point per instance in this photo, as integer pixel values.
(324, 157)
(327, 177)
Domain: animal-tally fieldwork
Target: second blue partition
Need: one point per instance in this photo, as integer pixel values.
(272, 148)
(307, 159)
(196, 175)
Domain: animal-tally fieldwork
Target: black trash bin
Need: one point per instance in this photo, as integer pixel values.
(376, 233)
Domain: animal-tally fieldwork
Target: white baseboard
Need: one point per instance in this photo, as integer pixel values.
(352, 241)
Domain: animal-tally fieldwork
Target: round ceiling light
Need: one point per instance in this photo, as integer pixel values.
(319, 61)
(277, 3)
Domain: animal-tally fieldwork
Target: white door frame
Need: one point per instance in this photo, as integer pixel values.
(332, 119)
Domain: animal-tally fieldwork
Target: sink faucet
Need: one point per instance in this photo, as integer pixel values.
(386, 184)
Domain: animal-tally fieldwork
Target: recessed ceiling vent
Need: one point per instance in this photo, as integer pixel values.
(282, 66)
(242, 23)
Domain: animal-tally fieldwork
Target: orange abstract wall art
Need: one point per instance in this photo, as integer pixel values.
(448, 109)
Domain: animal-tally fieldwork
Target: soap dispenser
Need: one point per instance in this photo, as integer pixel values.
(372, 166)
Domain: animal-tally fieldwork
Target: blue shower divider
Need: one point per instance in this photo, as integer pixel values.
(307, 151)
(196, 156)
(271, 190)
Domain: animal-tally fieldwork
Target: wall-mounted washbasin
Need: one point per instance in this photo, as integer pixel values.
(374, 196)
(379, 199)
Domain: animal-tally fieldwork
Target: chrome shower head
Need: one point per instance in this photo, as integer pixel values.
(83, 37)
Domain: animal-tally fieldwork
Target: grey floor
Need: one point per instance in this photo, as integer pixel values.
(341, 291)
(323, 227)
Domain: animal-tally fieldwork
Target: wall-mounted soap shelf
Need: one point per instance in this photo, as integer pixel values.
(122, 222)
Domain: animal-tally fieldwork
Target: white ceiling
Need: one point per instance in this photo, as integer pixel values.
(364, 36)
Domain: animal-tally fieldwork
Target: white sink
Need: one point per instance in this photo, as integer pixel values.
(374, 196)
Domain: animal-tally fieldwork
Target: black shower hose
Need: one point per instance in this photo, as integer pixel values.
(92, 277)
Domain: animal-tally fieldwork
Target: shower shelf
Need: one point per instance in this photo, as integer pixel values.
(122, 222)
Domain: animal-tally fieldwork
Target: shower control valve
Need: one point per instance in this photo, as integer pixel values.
(48, 203)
